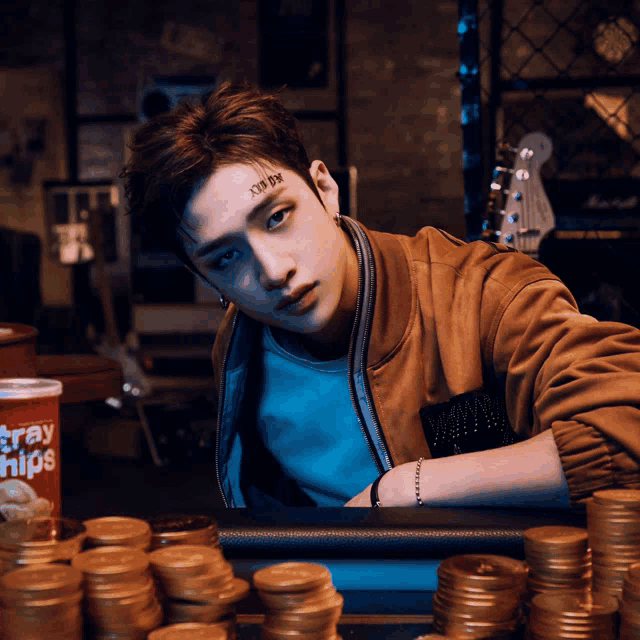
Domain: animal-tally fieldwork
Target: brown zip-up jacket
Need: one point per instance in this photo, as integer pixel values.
(439, 318)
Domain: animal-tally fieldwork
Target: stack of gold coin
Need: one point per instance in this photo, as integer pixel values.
(630, 605)
(183, 529)
(190, 631)
(42, 601)
(613, 522)
(197, 583)
(39, 540)
(558, 558)
(560, 616)
(117, 531)
(479, 596)
(301, 602)
(120, 602)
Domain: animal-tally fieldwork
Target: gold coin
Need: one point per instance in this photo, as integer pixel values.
(238, 591)
(285, 620)
(291, 577)
(556, 535)
(295, 634)
(332, 603)
(180, 524)
(34, 582)
(190, 631)
(484, 570)
(630, 497)
(110, 561)
(185, 559)
(116, 528)
(194, 611)
(284, 600)
(633, 572)
(200, 581)
(572, 606)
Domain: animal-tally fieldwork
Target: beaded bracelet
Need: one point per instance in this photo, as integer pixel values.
(418, 482)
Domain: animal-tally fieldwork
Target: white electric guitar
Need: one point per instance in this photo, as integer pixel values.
(526, 217)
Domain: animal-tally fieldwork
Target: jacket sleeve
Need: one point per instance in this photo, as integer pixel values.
(568, 372)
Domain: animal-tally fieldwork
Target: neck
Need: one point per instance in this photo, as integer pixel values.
(329, 346)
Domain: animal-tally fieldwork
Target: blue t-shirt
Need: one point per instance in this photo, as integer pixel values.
(307, 421)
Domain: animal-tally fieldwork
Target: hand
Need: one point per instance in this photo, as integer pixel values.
(19, 500)
(391, 489)
(362, 499)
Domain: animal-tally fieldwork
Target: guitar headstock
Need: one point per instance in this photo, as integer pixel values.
(521, 215)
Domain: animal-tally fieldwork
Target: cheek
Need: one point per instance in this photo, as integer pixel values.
(246, 287)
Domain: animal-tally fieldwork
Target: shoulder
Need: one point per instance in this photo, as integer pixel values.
(450, 257)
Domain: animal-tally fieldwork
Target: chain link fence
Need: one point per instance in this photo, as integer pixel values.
(568, 68)
(571, 70)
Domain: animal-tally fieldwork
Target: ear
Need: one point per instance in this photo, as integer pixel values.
(327, 186)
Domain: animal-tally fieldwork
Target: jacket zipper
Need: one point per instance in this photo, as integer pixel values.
(223, 370)
(351, 359)
(352, 392)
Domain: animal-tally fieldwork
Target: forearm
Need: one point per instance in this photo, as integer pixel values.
(528, 473)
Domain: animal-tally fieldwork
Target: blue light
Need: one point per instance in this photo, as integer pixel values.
(469, 113)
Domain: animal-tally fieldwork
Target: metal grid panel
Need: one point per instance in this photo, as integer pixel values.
(569, 68)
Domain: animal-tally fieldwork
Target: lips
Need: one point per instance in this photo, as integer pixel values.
(294, 296)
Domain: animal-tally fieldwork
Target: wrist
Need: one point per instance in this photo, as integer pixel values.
(397, 487)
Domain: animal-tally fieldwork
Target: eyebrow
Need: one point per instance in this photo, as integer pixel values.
(266, 202)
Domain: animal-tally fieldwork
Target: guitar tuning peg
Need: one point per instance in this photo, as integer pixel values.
(499, 170)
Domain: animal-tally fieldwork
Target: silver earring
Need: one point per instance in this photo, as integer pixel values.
(338, 218)
(224, 303)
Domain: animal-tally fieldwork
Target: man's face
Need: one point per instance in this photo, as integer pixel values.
(260, 234)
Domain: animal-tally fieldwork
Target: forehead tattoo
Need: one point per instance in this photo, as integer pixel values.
(268, 182)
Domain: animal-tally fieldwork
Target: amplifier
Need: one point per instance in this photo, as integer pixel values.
(605, 204)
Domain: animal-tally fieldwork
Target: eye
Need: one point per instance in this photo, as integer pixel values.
(223, 261)
(278, 218)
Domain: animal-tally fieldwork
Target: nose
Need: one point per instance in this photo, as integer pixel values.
(274, 267)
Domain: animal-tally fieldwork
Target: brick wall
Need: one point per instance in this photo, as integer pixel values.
(403, 96)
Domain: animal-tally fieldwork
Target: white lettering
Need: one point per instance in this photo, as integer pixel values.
(4, 463)
(48, 432)
(49, 460)
(34, 434)
(22, 464)
(5, 434)
(34, 464)
(15, 438)
(595, 201)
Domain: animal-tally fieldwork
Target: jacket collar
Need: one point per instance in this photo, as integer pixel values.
(387, 267)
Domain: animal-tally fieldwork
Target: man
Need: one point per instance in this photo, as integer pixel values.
(367, 368)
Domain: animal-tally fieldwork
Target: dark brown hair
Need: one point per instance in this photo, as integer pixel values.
(174, 153)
